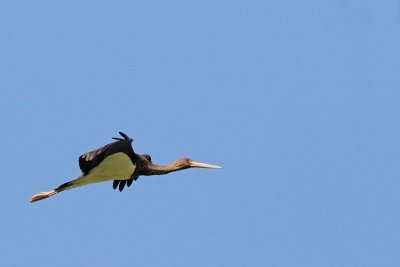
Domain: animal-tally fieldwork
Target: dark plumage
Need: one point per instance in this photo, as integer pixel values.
(117, 161)
(139, 169)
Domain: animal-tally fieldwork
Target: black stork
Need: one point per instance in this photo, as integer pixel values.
(117, 161)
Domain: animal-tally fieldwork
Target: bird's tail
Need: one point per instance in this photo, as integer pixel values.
(43, 195)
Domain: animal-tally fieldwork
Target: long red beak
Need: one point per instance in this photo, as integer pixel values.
(195, 164)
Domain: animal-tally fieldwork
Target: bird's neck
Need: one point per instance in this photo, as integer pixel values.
(153, 169)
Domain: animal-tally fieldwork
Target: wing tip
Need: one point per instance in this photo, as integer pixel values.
(125, 137)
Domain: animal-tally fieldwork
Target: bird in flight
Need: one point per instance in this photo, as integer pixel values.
(117, 161)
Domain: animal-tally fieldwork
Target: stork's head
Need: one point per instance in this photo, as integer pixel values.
(185, 163)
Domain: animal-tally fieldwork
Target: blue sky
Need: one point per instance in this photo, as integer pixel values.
(298, 101)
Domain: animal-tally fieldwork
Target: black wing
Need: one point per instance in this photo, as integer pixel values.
(93, 158)
(121, 183)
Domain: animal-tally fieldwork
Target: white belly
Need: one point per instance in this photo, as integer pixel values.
(118, 166)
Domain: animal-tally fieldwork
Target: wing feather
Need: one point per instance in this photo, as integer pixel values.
(120, 184)
(93, 158)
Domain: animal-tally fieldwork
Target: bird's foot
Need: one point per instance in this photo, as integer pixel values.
(43, 195)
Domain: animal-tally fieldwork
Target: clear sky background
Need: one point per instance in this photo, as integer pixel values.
(297, 100)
